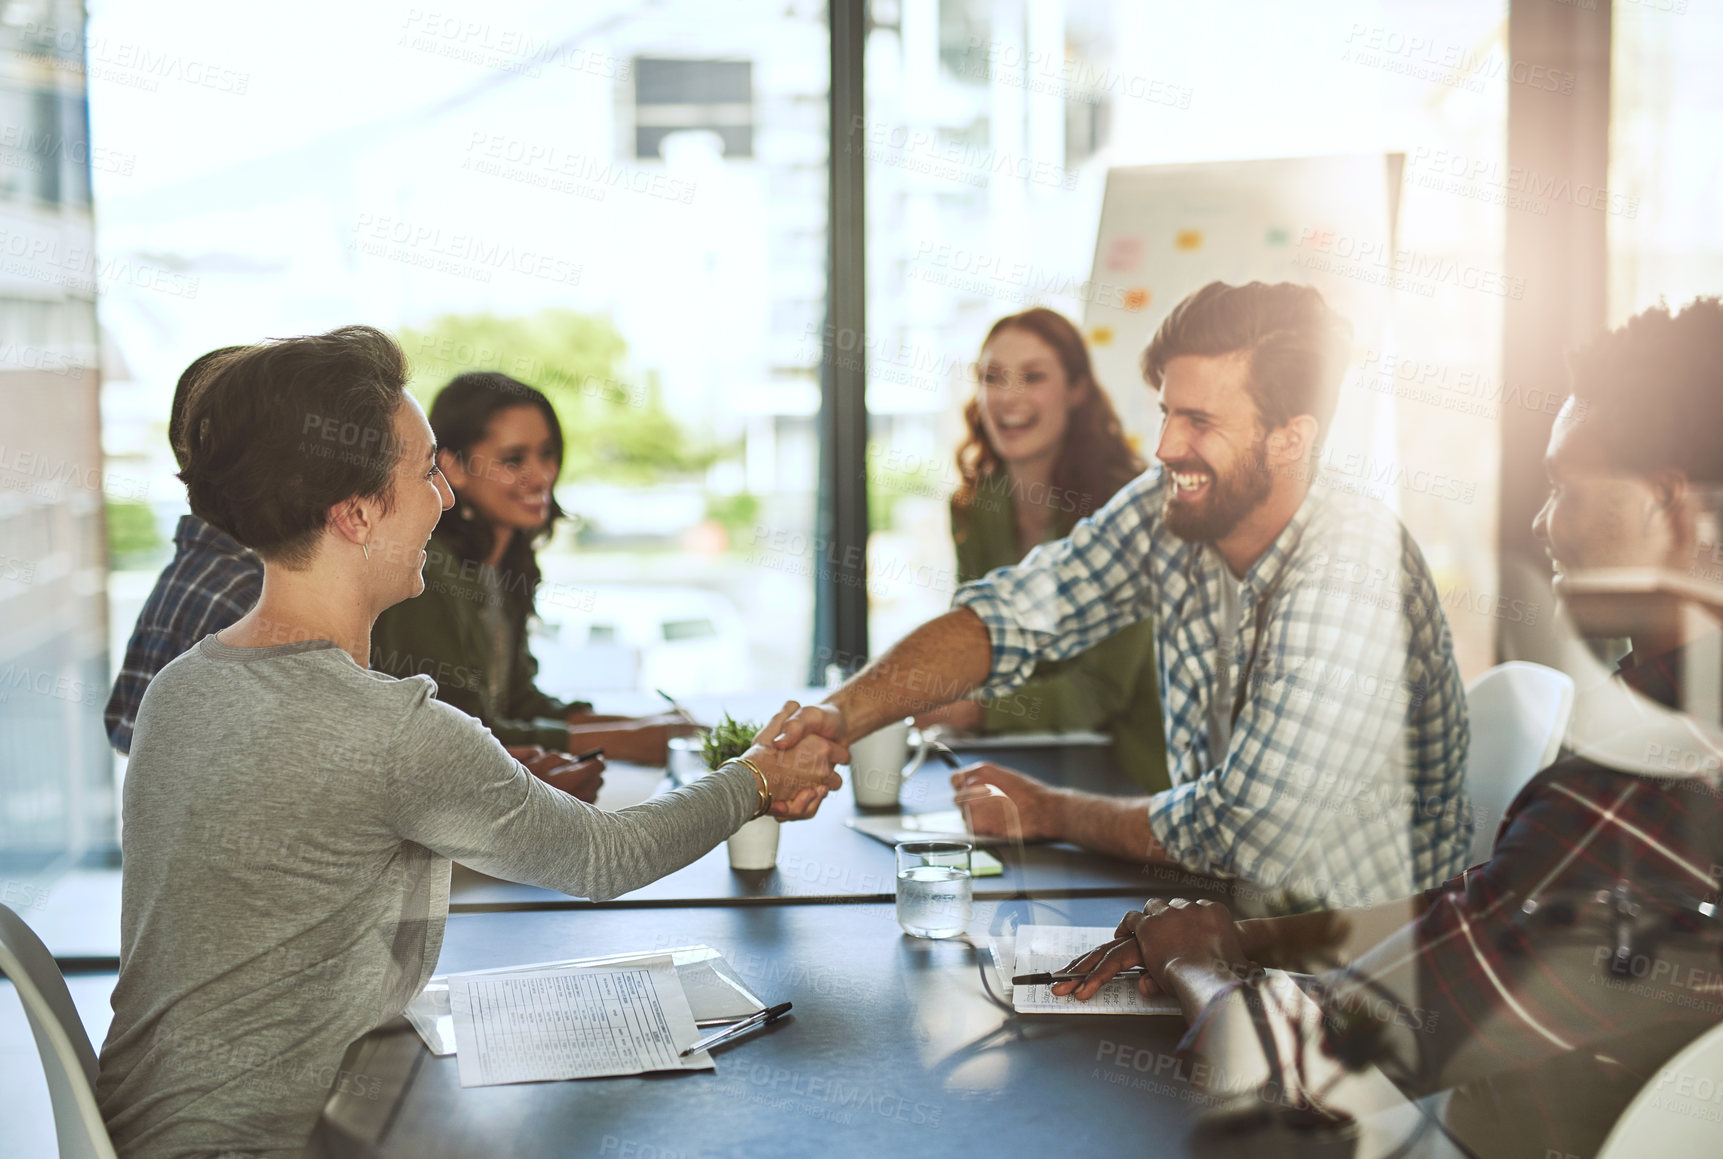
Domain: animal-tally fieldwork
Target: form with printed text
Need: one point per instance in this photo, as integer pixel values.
(572, 1023)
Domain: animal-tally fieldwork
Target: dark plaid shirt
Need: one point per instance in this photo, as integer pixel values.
(210, 584)
(1549, 984)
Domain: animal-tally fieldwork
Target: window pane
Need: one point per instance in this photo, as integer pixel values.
(57, 805)
(1665, 155)
(991, 127)
(620, 203)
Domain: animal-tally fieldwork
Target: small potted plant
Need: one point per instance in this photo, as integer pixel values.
(754, 845)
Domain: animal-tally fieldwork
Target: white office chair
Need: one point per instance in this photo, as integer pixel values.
(67, 1058)
(1674, 1115)
(1519, 713)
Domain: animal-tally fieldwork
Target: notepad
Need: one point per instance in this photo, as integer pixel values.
(572, 1024)
(1045, 949)
(1025, 740)
(945, 824)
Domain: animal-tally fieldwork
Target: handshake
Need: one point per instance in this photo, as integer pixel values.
(798, 774)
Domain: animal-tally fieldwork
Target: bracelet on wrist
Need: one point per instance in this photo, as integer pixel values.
(760, 779)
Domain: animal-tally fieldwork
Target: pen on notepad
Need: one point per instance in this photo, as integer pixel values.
(946, 755)
(759, 1018)
(1049, 979)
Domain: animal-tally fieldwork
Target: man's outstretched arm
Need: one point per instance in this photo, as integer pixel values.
(941, 661)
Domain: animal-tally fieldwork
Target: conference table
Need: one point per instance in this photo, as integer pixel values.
(896, 1045)
(823, 859)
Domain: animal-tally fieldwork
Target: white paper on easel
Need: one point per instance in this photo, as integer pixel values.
(1047, 949)
(568, 1024)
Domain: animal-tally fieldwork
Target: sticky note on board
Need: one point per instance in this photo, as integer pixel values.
(1125, 253)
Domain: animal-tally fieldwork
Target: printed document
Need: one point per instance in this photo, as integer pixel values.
(569, 1024)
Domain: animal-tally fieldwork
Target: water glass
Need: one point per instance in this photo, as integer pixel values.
(933, 888)
(684, 761)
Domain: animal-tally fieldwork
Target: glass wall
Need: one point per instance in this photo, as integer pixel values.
(1665, 155)
(56, 798)
(620, 203)
(990, 131)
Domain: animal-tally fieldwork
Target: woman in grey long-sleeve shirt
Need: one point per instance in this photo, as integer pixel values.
(290, 816)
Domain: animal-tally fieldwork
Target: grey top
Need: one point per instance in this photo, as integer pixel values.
(289, 820)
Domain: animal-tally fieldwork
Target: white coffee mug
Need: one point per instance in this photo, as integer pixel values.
(876, 765)
(755, 845)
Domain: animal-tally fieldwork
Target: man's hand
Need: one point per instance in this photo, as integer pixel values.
(824, 720)
(561, 771)
(960, 715)
(1101, 963)
(1027, 808)
(801, 775)
(1196, 934)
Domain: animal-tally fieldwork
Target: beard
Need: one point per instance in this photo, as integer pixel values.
(1230, 498)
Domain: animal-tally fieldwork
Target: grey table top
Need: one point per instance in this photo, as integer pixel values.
(893, 1048)
(824, 860)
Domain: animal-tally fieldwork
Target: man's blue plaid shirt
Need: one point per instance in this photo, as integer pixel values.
(210, 584)
(1343, 783)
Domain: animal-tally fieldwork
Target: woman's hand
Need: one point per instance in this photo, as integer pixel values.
(798, 777)
(561, 771)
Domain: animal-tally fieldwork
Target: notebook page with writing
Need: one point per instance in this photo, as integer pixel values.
(567, 1024)
(1046, 949)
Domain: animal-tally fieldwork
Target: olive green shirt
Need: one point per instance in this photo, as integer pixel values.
(449, 634)
(1110, 688)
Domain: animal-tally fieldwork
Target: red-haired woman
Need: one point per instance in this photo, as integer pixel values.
(1044, 449)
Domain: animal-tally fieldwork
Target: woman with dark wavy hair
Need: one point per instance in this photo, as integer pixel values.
(500, 447)
(1044, 448)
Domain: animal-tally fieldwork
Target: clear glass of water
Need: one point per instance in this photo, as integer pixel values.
(933, 888)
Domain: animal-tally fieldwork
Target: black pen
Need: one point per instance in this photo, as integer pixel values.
(683, 712)
(1049, 979)
(759, 1018)
(946, 755)
(591, 754)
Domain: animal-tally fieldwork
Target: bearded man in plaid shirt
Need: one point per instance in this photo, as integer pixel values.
(1315, 720)
(1554, 982)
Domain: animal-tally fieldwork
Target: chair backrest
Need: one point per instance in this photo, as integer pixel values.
(67, 1058)
(1674, 1116)
(1519, 712)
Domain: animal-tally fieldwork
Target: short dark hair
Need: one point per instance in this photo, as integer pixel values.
(1296, 345)
(1652, 391)
(278, 433)
(182, 392)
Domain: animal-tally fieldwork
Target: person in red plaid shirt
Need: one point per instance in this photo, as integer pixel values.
(1547, 986)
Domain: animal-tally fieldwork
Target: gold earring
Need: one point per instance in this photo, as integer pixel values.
(366, 548)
